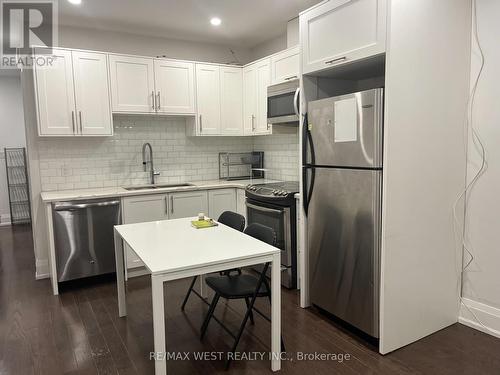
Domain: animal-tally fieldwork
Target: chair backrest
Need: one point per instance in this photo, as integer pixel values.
(233, 220)
(261, 232)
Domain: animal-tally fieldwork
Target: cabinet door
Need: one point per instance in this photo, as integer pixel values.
(221, 200)
(55, 98)
(187, 204)
(341, 31)
(174, 87)
(263, 76)
(208, 99)
(241, 207)
(231, 94)
(142, 209)
(92, 93)
(285, 66)
(249, 98)
(132, 84)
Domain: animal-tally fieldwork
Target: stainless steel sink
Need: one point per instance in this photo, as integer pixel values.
(150, 187)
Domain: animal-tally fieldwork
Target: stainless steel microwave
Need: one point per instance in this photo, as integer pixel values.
(283, 103)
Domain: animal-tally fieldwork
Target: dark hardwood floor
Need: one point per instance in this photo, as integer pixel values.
(79, 332)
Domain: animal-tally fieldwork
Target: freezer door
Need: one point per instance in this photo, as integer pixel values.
(346, 131)
(344, 245)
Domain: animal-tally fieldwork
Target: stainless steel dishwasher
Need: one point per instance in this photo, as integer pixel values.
(83, 237)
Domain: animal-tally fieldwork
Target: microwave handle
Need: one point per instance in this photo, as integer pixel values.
(296, 101)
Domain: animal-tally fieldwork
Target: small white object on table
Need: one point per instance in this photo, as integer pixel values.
(173, 249)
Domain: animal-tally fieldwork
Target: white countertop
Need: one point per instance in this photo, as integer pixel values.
(163, 248)
(66, 195)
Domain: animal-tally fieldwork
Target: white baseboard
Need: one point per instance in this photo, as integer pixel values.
(135, 272)
(42, 269)
(488, 317)
(4, 220)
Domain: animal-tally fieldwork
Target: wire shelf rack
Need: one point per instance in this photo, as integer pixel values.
(17, 185)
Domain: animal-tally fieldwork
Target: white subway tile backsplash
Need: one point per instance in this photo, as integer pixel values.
(76, 163)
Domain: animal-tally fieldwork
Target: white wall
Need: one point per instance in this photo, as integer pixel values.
(78, 163)
(111, 41)
(269, 47)
(11, 131)
(482, 280)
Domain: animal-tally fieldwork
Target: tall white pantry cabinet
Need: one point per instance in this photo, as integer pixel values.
(423, 46)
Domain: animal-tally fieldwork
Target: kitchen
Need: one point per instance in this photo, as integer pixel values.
(132, 128)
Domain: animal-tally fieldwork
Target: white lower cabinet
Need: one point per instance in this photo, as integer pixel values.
(142, 209)
(221, 200)
(186, 204)
(241, 207)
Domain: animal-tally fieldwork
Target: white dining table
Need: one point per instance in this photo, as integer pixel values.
(173, 249)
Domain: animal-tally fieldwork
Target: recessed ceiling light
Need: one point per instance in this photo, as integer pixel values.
(215, 21)
(76, 2)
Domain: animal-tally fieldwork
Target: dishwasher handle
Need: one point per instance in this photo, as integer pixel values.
(81, 206)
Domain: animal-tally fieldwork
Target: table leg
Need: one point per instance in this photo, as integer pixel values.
(276, 313)
(159, 325)
(120, 277)
(203, 288)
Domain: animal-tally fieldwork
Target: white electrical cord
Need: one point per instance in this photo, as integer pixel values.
(479, 147)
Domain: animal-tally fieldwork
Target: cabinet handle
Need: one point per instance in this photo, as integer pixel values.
(201, 124)
(153, 105)
(166, 205)
(290, 78)
(73, 121)
(253, 123)
(340, 59)
(159, 102)
(171, 204)
(81, 123)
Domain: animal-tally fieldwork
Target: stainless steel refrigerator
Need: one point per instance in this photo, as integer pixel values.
(342, 175)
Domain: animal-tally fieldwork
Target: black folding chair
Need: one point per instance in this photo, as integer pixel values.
(233, 220)
(241, 286)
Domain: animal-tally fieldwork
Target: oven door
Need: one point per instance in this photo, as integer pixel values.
(277, 218)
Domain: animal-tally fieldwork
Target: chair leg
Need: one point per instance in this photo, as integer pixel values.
(188, 293)
(247, 315)
(210, 312)
(251, 313)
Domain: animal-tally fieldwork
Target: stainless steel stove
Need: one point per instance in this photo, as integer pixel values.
(273, 205)
(276, 192)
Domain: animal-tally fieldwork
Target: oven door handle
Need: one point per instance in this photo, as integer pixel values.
(264, 209)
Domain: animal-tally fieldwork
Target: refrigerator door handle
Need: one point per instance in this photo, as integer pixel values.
(307, 140)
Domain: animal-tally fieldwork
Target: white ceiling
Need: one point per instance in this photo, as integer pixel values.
(245, 23)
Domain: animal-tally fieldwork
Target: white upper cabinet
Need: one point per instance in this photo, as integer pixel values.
(55, 96)
(92, 93)
(73, 95)
(208, 99)
(256, 79)
(341, 31)
(285, 65)
(263, 78)
(175, 87)
(231, 97)
(132, 84)
(249, 98)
